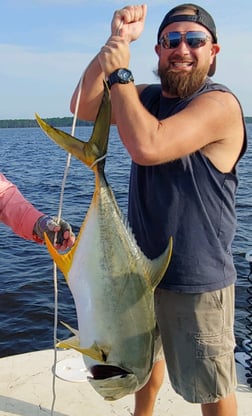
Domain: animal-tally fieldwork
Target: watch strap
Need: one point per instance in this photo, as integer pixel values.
(120, 76)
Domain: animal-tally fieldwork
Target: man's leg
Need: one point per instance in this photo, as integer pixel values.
(146, 397)
(224, 407)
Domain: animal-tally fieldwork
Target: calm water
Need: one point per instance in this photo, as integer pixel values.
(36, 165)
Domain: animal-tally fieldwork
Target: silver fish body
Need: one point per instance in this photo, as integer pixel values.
(111, 280)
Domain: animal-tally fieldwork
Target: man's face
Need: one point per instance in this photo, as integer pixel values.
(183, 69)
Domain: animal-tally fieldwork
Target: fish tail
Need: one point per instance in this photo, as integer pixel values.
(93, 151)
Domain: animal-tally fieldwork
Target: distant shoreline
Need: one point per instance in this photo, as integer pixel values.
(54, 121)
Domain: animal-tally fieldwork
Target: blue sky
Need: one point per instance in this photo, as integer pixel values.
(46, 44)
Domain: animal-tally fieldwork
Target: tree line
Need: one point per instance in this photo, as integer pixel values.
(53, 121)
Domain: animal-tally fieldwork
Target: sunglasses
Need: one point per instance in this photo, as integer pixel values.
(194, 39)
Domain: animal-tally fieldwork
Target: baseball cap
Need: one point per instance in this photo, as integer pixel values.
(200, 16)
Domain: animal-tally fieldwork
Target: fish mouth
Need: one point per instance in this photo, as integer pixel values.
(112, 382)
(102, 372)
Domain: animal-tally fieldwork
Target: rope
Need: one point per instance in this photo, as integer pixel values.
(55, 277)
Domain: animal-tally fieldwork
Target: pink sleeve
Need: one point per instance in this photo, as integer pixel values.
(15, 211)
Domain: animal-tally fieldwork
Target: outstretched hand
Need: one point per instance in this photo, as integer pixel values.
(65, 237)
(129, 22)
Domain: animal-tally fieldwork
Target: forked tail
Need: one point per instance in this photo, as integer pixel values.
(93, 150)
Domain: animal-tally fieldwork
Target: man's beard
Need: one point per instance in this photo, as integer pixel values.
(180, 84)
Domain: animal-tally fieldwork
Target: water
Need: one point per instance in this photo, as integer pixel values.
(36, 165)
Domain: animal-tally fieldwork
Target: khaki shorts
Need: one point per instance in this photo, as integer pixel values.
(198, 342)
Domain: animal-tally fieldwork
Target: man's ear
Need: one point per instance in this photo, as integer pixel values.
(157, 49)
(215, 48)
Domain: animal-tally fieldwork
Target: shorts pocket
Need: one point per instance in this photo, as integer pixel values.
(215, 372)
(212, 346)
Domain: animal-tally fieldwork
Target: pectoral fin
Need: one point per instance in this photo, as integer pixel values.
(94, 351)
(72, 342)
(71, 329)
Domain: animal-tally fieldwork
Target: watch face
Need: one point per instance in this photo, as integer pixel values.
(124, 74)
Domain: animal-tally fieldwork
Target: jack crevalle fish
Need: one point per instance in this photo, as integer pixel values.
(111, 280)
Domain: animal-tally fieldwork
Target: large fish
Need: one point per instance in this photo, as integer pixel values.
(111, 280)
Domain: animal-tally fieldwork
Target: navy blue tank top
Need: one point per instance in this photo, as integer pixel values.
(190, 200)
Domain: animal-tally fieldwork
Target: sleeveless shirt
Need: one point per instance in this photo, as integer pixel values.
(190, 200)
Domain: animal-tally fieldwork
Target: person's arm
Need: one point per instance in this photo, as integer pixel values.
(28, 222)
(92, 79)
(212, 122)
(16, 211)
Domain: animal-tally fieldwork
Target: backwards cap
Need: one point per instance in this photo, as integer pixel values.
(201, 17)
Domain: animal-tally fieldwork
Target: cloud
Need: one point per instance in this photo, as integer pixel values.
(34, 81)
(32, 64)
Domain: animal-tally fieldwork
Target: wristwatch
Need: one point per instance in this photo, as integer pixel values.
(121, 76)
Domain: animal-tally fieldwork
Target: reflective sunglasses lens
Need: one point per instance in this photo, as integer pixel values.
(193, 39)
(196, 39)
(174, 39)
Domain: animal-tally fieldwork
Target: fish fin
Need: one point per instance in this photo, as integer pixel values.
(160, 264)
(94, 352)
(155, 268)
(69, 343)
(70, 328)
(95, 149)
(63, 261)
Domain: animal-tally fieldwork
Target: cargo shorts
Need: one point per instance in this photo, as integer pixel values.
(197, 333)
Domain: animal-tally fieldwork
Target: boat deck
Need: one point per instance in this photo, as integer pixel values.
(27, 382)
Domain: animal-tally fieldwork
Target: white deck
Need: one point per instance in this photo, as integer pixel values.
(26, 389)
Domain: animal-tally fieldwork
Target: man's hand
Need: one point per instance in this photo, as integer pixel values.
(126, 26)
(129, 22)
(45, 224)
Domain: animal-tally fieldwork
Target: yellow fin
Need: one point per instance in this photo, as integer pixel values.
(72, 342)
(63, 261)
(94, 352)
(71, 329)
(159, 265)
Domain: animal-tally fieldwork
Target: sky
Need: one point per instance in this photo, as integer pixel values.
(45, 45)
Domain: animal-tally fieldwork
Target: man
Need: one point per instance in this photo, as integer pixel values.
(185, 138)
(29, 223)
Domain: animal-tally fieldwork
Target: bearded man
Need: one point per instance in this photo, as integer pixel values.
(185, 136)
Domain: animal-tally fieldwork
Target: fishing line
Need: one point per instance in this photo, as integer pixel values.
(55, 276)
(99, 159)
(119, 28)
